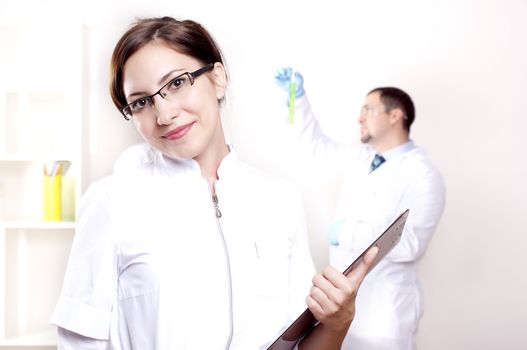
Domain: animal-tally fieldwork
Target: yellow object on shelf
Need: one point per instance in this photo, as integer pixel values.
(68, 198)
(52, 197)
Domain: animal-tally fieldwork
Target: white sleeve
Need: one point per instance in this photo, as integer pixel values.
(425, 197)
(315, 143)
(86, 302)
(72, 341)
(424, 194)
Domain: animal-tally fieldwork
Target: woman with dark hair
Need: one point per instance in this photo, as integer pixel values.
(190, 248)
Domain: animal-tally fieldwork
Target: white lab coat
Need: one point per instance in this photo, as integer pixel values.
(389, 303)
(152, 267)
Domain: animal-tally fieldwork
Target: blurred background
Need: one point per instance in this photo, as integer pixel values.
(463, 63)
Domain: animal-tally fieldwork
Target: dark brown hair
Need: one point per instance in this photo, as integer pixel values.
(392, 97)
(186, 37)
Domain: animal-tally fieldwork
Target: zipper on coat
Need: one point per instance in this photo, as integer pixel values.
(216, 207)
(215, 202)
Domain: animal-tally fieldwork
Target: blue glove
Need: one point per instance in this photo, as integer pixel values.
(283, 79)
(334, 232)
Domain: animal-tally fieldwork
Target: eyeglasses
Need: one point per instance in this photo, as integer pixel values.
(172, 90)
(370, 110)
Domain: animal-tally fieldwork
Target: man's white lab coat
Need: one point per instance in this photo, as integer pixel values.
(389, 303)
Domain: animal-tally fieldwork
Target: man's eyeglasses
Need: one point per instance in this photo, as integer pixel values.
(367, 110)
(175, 88)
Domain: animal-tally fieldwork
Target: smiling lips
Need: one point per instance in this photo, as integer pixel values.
(178, 132)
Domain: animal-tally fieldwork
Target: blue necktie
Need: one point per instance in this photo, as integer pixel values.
(376, 162)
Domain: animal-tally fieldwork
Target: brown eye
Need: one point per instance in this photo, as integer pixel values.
(139, 104)
(178, 83)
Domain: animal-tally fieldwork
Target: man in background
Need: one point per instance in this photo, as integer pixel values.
(384, 176)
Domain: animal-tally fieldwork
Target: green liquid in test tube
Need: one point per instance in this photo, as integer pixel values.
(292, 89)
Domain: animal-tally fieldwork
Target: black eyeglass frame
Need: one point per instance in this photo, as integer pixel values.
(191, 75)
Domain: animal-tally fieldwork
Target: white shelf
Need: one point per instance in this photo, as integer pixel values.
(37, 224)
(48, 338)
(30, 278)
(31, 158)
(41, 119)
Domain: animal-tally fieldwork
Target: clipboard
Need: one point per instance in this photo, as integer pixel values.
(306, 321)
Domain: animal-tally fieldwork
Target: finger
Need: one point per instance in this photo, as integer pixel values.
(332, 290)
(314, 307)
(320, 305)
(334, 278)
(370, 255)
(319, 296)
(324, 297)
(299, 79)
(286, 73)
(357, 275)
(280, 72)
(322, 287)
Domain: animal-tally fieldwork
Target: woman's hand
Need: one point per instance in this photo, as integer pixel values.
(332, 302)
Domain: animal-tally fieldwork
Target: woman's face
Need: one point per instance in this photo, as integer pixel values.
(188, 125)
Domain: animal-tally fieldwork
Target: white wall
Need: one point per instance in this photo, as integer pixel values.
(462, 61)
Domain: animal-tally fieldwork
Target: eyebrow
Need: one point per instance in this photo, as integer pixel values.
(163, 79)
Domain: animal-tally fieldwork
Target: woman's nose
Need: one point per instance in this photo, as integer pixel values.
(166, 111)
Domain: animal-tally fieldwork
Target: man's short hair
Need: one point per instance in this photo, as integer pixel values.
(392, 97)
